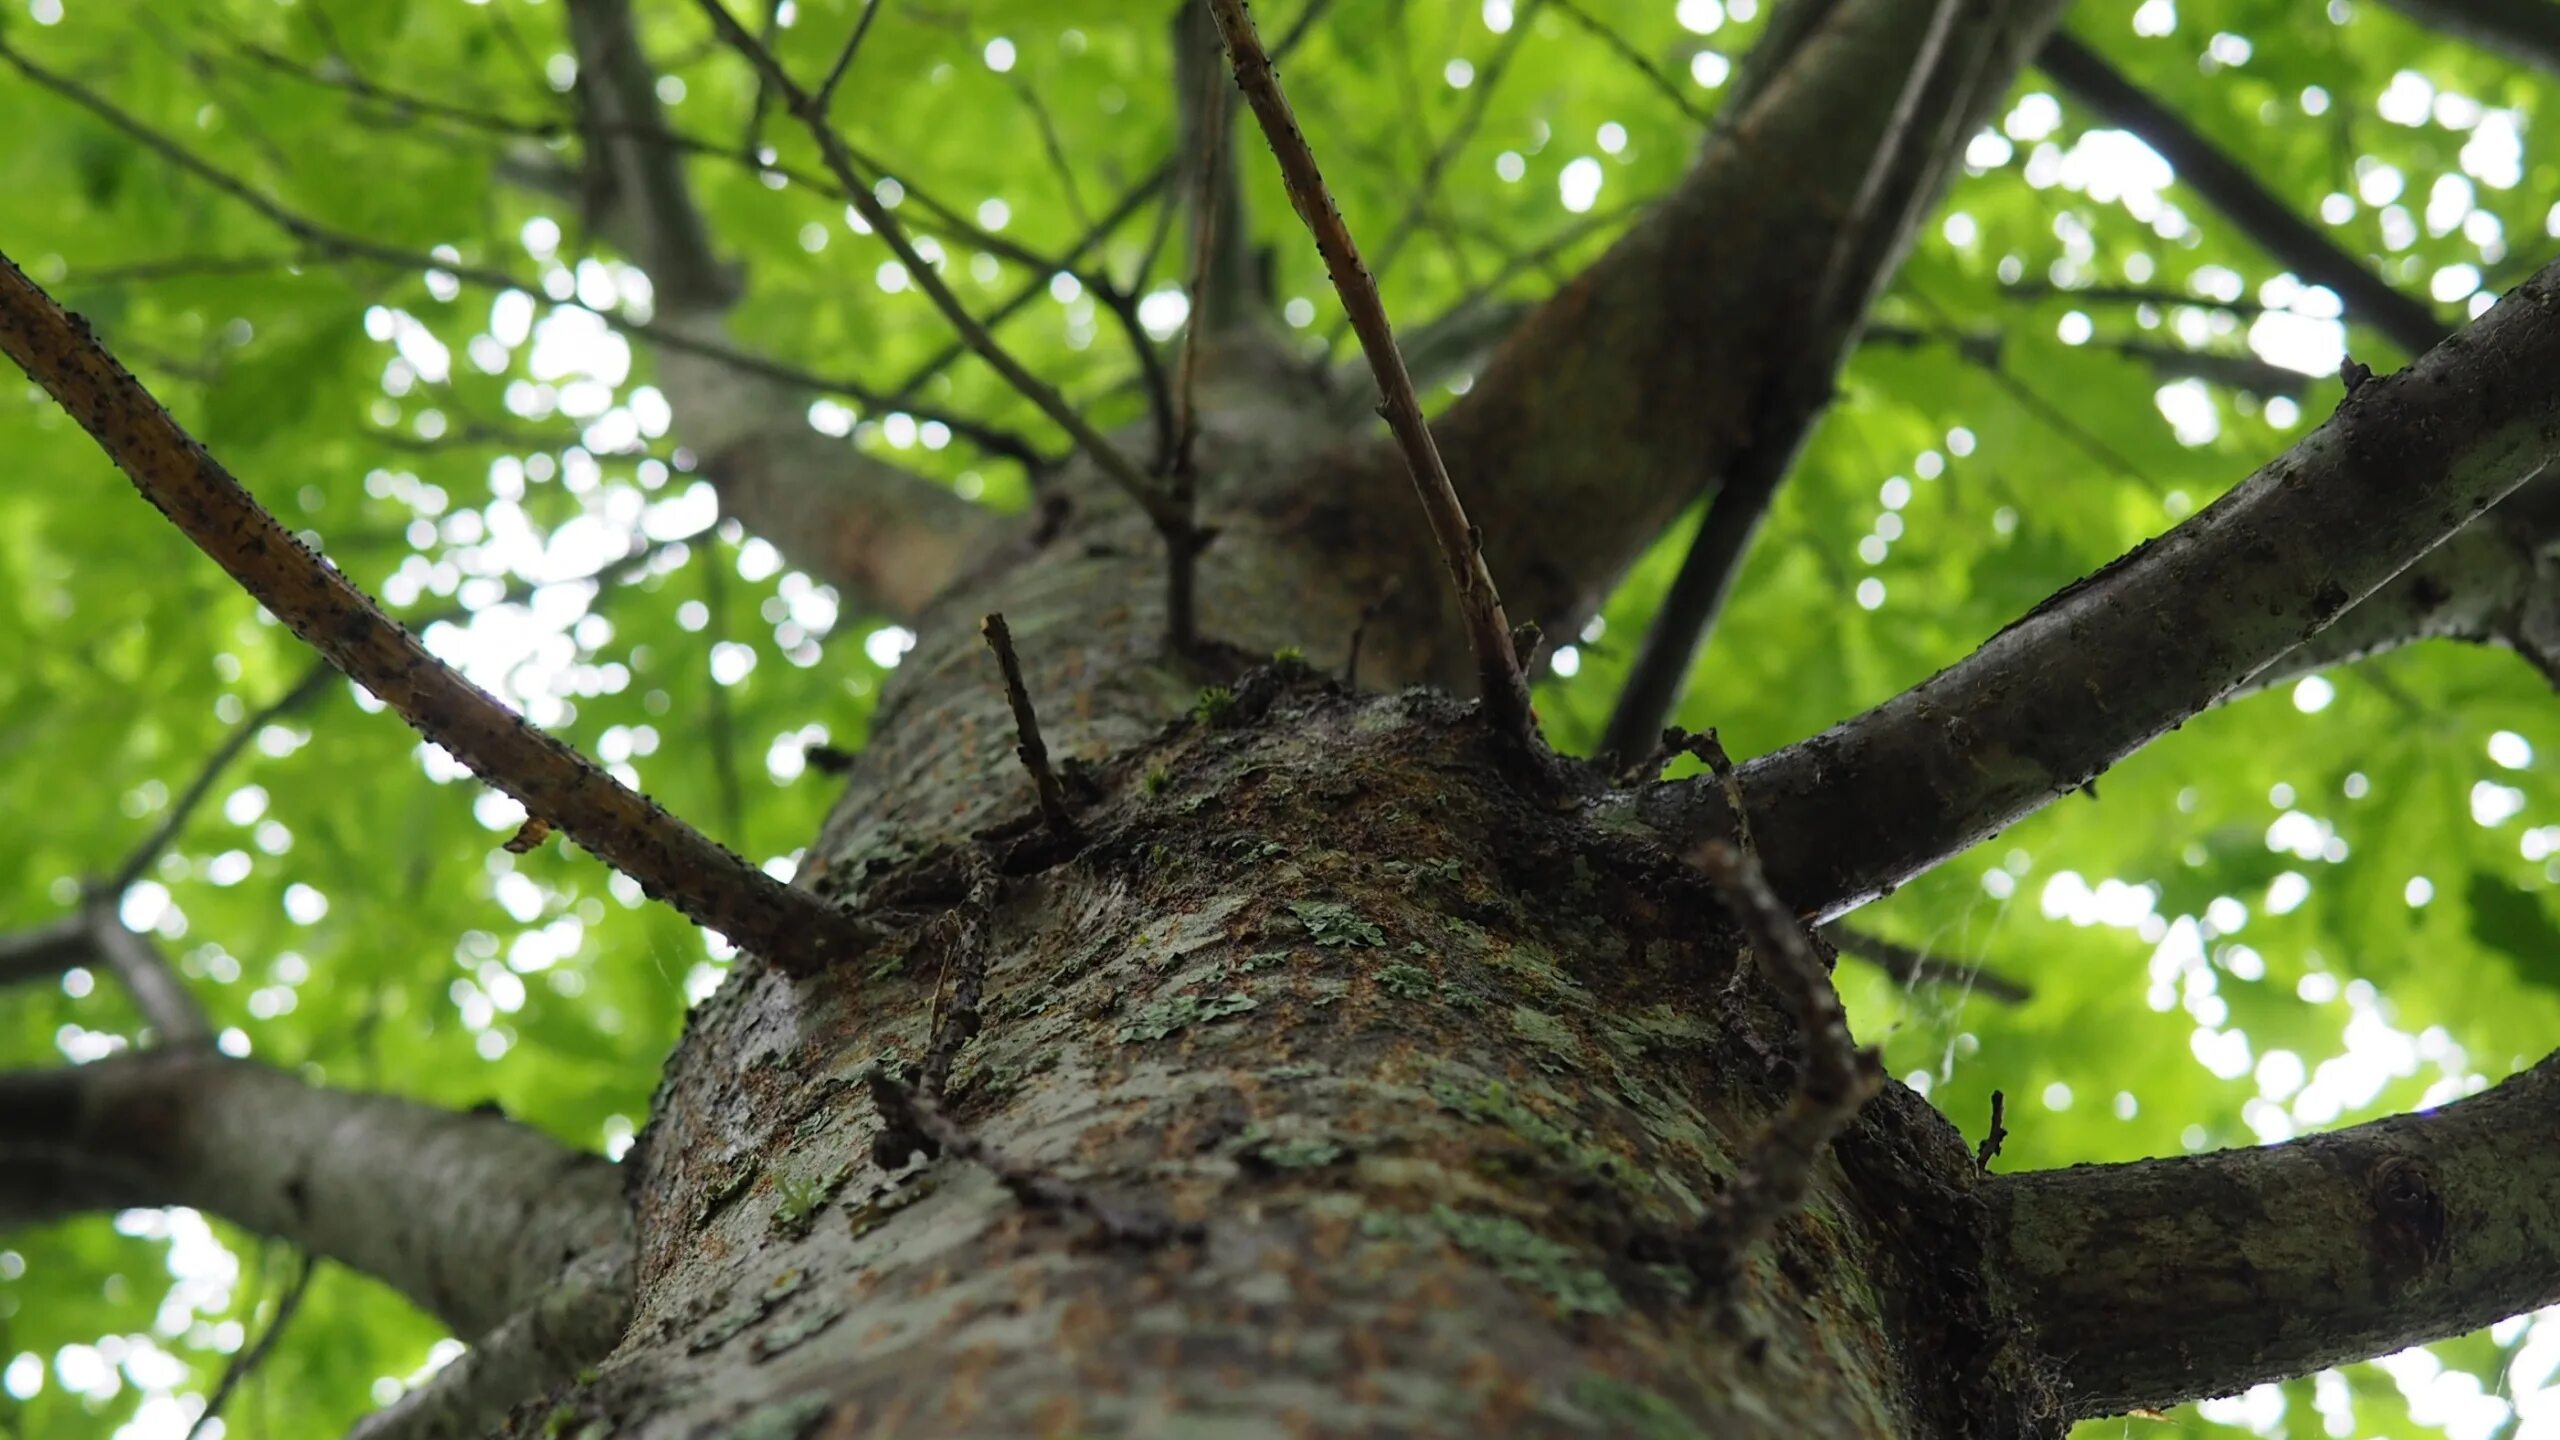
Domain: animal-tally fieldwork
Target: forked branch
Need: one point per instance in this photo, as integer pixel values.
(671, 860)
(1498, 671)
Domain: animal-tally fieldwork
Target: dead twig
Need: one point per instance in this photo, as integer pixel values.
(1505, 687)
(911, 1116)
(674, 862)
(1989, 1150)
(1837, 1078)
(1026, 730)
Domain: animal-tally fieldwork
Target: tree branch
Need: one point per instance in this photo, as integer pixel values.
(571, 1322)
(1867, 245)
(1693, 343)
(2170, 1280)
(671, 860)
(2523, 30)
(2175, 626)
(1220, 251)
(2228, 186)
(43, 952)
(468, 1214)
(889, 538)
(1498, 669)
(163, 998)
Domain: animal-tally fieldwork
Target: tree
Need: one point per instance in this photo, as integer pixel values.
(1216, 998)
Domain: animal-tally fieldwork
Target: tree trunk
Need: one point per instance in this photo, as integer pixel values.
(1442, 1073)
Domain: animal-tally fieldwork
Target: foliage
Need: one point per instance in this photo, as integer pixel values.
(2314, 906)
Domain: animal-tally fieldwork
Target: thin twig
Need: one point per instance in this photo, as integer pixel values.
(1026, 729)
(43, 952)
(909, 1114)
(248, 1358)
(163, 999)
(1506, 689)
(1425, 188)
(1625, 49)
(1128, 205)
(831, 148)
(1837, 1077)
(1360, 631)
(793, 928)
(1911, 967)
(1710, 749)
(825, 98)
(1989, 1150)
(313, 684)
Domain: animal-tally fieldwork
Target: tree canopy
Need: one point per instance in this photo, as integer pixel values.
(348, 245)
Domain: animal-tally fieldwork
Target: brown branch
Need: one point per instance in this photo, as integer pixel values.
(1837, 1078)
(2172, 628)
(671, 860)
(2163, 1281)
(1033, 751)
(831, 148)
(1505, 688)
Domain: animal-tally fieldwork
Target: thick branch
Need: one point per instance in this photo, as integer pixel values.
(2164, 1281)
(2172, 628)
(468, 1214)
(2227, 185)
(44, 952)
(1696, 342)
(671, 860)
(889, 538)
(570, 1323)
(2522, 30)
(1219, 248)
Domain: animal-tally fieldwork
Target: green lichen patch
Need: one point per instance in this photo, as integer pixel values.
(800, 1327)
(1633, 1410)
(1559, 1049)
(1261, 1147)
(1335, 926)
(796, 1205)
(1494, 1104)
(782, 1420)
(1407, 982)
(1513, 1250)
(1165, 1017)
